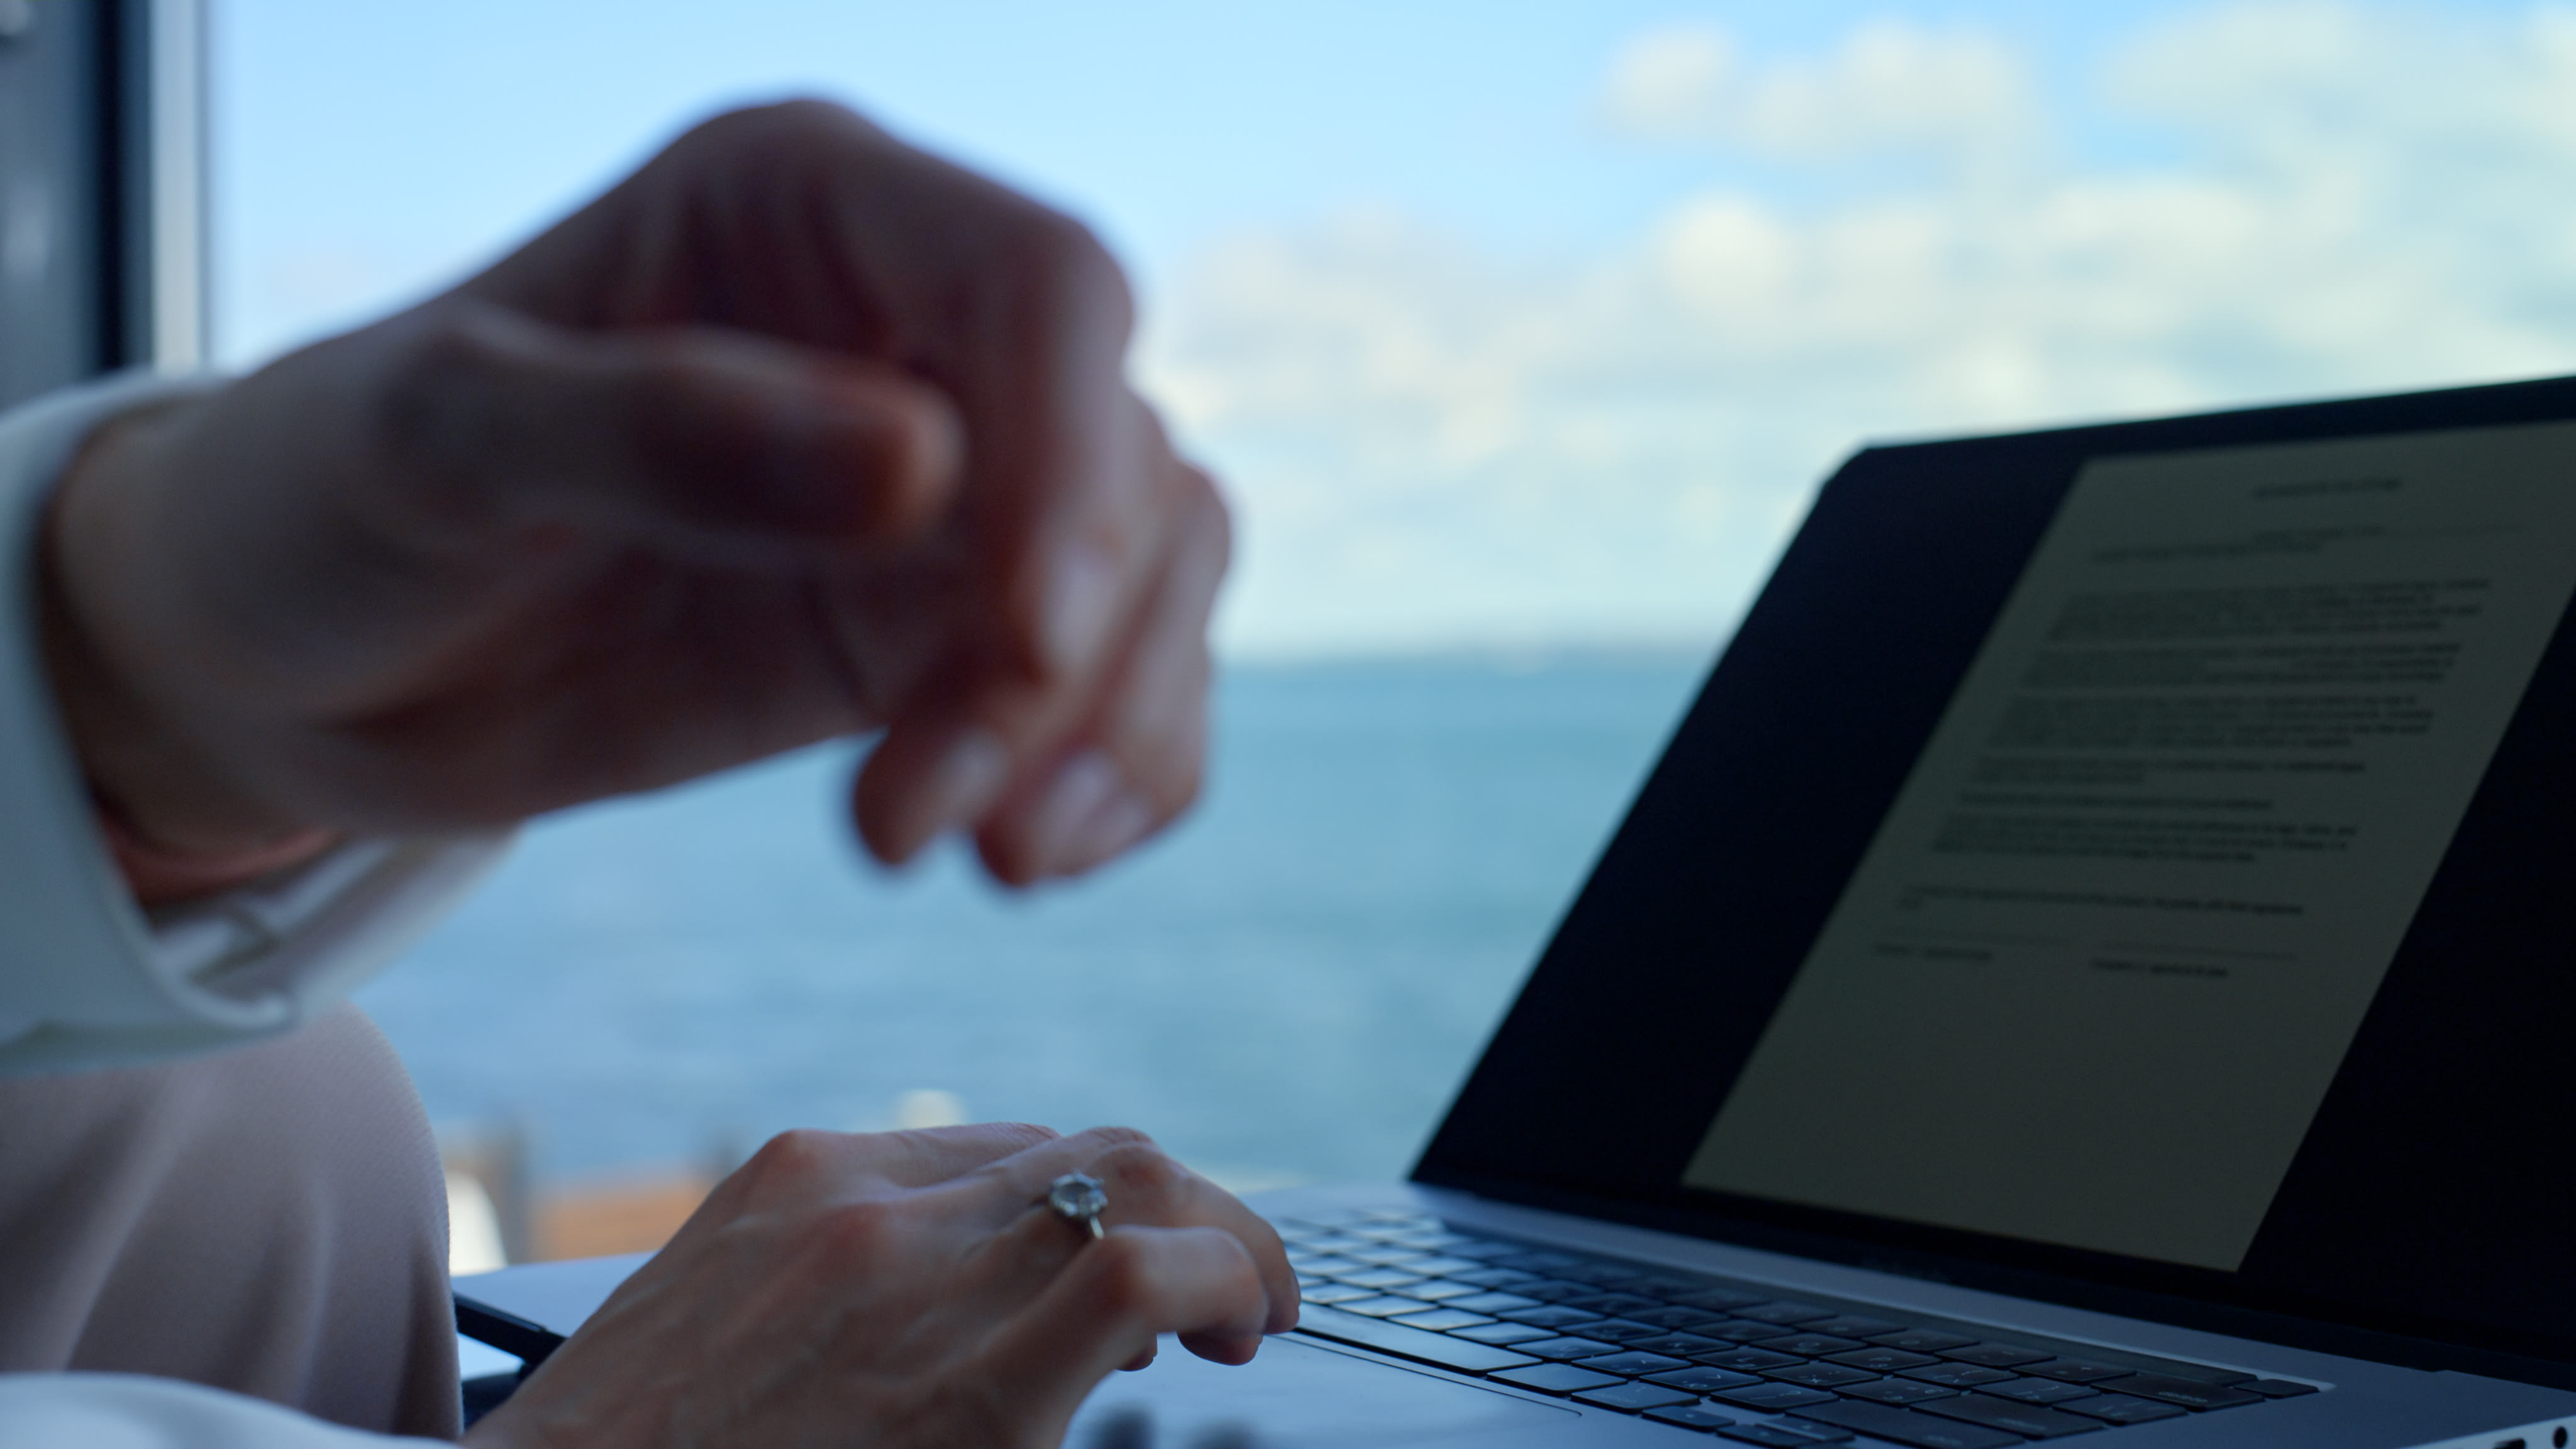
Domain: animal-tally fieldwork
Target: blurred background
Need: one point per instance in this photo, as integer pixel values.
(1520, 335)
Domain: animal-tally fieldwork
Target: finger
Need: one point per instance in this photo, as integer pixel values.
(1023, 1177)
(703, 440)
(953, 754)
(1145, 1187)
(1067, 450)
(1118, 1294)
(1139, 762)
(809, 1167)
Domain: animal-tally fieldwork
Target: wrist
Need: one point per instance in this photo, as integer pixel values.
(157, 873)
(169, 818)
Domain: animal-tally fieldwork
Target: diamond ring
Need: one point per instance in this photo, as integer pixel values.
(1078, 1198)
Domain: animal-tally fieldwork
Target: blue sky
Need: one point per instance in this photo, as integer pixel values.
(1530, 324)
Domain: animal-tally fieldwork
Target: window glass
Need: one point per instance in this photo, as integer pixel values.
(1520, 335)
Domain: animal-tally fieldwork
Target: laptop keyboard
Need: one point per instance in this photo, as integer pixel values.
(1728, 1358)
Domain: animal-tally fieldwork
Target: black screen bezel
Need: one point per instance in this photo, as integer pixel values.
(1595, 1087)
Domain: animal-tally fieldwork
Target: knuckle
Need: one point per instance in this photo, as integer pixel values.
(800, 120)
(437, 385)
(1071, 269)
(1110, 1138)
(1211, 522)
(790, 1160)
(1142, 1170)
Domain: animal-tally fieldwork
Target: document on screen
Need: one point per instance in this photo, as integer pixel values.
(2097, 969)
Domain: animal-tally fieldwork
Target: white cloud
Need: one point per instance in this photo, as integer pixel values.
(1889, 85)
(1432, 442)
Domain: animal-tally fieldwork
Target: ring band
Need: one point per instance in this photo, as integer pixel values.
(1078, 1198)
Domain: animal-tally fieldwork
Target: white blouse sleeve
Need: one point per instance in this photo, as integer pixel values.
(89, 979)
(127, 1411)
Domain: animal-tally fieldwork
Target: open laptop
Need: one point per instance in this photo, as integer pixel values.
(2098, 958)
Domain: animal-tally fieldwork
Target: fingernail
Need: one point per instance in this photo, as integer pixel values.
(964, 782)
(1080, 787)
(1118, 823)
(1081, 598)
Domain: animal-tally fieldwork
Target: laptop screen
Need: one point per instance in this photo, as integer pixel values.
(2132, 853)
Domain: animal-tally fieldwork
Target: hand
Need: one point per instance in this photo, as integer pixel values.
(795, 433)
(902, 1289)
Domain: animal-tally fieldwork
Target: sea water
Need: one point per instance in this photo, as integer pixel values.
(1288, 986)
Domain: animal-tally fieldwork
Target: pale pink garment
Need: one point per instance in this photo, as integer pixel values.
(270, 1220)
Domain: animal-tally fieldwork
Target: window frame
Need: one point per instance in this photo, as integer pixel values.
(103, 260)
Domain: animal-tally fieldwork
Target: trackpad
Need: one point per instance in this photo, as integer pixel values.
(1294, 1394)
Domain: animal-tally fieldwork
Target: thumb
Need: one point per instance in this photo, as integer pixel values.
(696, 438)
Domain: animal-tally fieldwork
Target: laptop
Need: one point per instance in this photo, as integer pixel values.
(2098, 958)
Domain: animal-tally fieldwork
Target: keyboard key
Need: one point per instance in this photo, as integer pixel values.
(1565, 1348)
(1773, 1436)
(1545, 1315)
(2037, 1391)
(2190, 1393)
(1633, 1365)
(1384, 1256)
(1442, 1267)
(1740, 1330)
(1606, 1275)
(2123, 1409)
(1335, 1293)
(1677, 1318)
(1691, 1416)
(1896, 1391)
(1553, 1290)
(1379, 1278)
(1445, 1320)
(2280, 1388)
(2073, 1371)
(1494, 1277)
(1536, 1262)
(1810, 1345)
(1821, 1375)
(1909, 1426)
(1635, 1398)
(1717, 1299)
(1852, 1327)
(1554, 1378)
(1881, 1360)
(2028, 1420)
(1701, 1379)
(1621, 1330)
(1500, 1333)
(1956, 1375)
(1441, 1239)
(1386, 1307)
(1773, 1398)
(1746, 1360)
(1790, 1313)
(1333, 1265)
(1440, 1290)
(1403, 1342)
(1995, 1355)
(1680, 1345)
(1921, 1340)
(1493, 1302)
(1610, 1305)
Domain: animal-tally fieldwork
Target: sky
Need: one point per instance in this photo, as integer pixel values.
(1517, 325)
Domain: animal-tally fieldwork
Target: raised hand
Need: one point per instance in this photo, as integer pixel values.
(795, 433)
(905, 1289)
